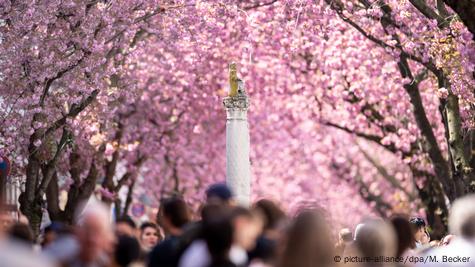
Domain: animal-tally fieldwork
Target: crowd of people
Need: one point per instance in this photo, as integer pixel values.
(224, 234)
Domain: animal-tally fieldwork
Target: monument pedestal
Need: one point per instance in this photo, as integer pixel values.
(238, 165)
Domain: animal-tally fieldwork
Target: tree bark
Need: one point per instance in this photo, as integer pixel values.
(3, 183)
(461, 165)
(422, 6)
(431, 194)
(117, 207)
(31, 200)
(111, 166)
(52, 199)
(30, 203)
(435, 207)
(80, 192)
(128, 200)
(431, 145)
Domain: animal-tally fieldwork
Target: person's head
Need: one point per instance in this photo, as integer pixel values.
(174, 214)
(149, 235)
(446, 240)
(419, 230)
(462, 217)
(376, 238)
(308, 241)
(247, 227)
(357, 230)
(52, 231)
(425, 238)
(404, 236)
(21, 232)
(273, 215)
(6, 220)
(219, 193)
(94, 232)
(127, 250)
(125, 226)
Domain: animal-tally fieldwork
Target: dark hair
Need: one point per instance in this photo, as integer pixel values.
(176, 210)
(55, 227)
(272, 213)
(127, 250)
(127, 220)
(417, 223)
(22, 232)
(148, 224)
(218, 233)
(211, 210)
(404, 234)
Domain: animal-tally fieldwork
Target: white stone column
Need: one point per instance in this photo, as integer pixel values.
(238, 165)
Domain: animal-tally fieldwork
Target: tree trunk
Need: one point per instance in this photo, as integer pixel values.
(80, 192)
(33, 211)
(431, 145)
(433, 199)
(117, 208)
(462, 174)
(128, 200)
(52, 200)
(30, 203)
(3, 186)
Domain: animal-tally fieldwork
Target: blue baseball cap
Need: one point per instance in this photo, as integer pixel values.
(220, 191)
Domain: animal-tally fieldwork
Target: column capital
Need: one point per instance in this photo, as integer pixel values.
(239, 102)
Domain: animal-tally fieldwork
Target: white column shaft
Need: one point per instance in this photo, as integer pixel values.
(238, 166)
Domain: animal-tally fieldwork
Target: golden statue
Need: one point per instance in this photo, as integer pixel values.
(233, 80)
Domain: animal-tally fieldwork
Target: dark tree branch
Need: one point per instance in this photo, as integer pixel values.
(370, 137)
(385, 174)
(156, 11)
(427, 11)
(128, 175)
(81, 191)
(382, 207)
(128, 200)
(465, 9)
(110, 167)
(260, 4)
(73, 112)
(431, 145)
(74, 169)
(442, 9)
(58, 75)
(337, 6)
(50, 167)
(52, 193)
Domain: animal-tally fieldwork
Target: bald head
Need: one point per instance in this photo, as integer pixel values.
(94, 231)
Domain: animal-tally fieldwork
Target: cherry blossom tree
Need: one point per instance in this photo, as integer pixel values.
(61, 62)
